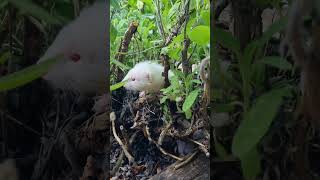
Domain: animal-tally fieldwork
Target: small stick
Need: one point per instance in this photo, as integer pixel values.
(188, 159)
(163, 133)
(126, 152)
(202, 147)
(119, 161)
(159, 147)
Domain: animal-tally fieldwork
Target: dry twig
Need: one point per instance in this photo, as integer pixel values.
(123, 146)
(159, 147)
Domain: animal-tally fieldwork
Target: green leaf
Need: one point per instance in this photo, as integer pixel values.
(178, 39)
(205, 16)
(221, 151)
(174, 53)
(113, 34)
(188, 114)
(174, 9)
(227, 40)
(65, 9)
(277, 62)
(250, 164)
(4, 57)
(120, 64)
(118, 85)
(26, 75)
(132, 3)
(200, 35)
(163, 99)
(274, 28)
(257, 121)
(28, 7)
(191, 98)
(115, 4)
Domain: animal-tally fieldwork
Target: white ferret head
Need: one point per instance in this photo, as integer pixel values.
(82, 44)
(145, 76)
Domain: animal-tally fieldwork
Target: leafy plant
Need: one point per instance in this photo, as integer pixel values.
(148, 42)
(258, 113)
(45, 16)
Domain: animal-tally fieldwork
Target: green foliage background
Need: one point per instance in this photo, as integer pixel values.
(147, 43)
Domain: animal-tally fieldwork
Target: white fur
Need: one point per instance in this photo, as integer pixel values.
(86, 36)
(146, 76)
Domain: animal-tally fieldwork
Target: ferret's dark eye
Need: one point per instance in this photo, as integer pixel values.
(75, 57)
(133, 79)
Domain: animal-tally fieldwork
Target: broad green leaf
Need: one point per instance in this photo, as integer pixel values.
(188, 114)
(26, 75)
(174, 53)
(178, 39)
(28, 7)
(277, 62)
(250, 165)
(191, 98)
(200, 35)
(227, 40)
(118, 85)
(257, 121)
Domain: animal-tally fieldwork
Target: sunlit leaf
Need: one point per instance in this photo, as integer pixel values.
(205, 16)
(191, 98)
(200, 35)
(118, 85)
